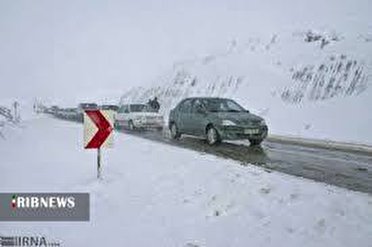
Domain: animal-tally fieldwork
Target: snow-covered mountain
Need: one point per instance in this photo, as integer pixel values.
(308, 83)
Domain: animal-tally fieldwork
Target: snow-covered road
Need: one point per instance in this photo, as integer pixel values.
(154, 194)
(344, 168)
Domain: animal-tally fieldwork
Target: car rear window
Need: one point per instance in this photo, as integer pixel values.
(137, 108)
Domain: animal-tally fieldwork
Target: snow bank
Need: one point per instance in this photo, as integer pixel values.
(175, 197)
(9, 123)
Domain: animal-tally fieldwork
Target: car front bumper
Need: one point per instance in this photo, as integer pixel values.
(138, 123)
(243, 132)
(148, 124)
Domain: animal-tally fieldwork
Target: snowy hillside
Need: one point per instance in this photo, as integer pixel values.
(307, 83)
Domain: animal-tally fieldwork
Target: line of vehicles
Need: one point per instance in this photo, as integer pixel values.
(212, 118)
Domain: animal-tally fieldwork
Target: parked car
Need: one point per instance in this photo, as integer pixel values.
(138, 116)
(216, 119)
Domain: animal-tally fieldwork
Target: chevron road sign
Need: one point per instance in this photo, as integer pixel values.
(98, 127)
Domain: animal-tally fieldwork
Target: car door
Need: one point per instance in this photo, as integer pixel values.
(119, 116)
(198, 118)
(126, 115)
(122, 116)
(183, 115)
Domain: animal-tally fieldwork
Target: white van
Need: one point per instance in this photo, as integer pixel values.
(138, 116)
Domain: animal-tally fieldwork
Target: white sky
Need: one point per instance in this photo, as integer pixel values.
(69, 49)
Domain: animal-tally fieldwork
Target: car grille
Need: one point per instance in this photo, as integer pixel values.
(250, 122)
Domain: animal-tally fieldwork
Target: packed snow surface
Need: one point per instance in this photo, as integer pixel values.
(154, 194)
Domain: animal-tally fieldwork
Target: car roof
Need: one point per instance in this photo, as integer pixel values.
(134, 104)
(204, 98)
(87, 104)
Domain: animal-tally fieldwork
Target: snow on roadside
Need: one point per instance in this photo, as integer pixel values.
(8, 127)
(158, 195)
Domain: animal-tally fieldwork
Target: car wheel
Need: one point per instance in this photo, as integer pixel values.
(131, 125)
(212, 136)
(174, 131)
(255, 142)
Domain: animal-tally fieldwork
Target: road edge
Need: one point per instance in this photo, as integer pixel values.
(319, 143)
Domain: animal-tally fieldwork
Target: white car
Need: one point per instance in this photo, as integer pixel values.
(138, 116)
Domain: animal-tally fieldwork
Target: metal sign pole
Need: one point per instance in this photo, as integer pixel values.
(98, 162)
(15, 105)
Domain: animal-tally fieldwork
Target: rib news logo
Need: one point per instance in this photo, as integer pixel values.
(44, 207)
(50, 202)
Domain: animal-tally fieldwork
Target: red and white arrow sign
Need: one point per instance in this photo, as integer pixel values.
(98, 126)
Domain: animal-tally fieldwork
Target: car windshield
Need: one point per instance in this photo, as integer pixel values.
(109, 107)
(222, 105)
(137, 108)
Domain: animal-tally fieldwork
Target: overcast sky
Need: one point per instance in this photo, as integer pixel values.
(69, 48)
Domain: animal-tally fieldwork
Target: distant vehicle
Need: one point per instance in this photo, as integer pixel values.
(70, 113)
(53, 109)
(109, 107)
(216, 119)
(59, 113)
(87, 106)
(138, 116)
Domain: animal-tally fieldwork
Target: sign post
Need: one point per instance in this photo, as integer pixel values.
(16, 113)
(98, 162)
(98, 126)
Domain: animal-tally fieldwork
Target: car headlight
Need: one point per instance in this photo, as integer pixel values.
(228, 123)
(262, 122)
